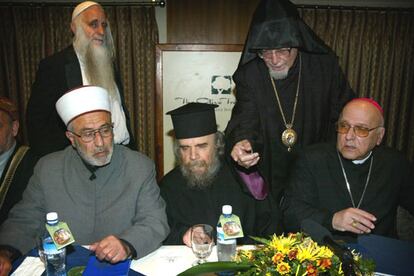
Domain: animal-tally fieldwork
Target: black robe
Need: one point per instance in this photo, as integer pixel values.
(187, 207)
(55, 76)
(256, 116)
(317, 189)
(19, 181)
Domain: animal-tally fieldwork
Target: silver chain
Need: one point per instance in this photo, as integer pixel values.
(349, 186)
(296, 97)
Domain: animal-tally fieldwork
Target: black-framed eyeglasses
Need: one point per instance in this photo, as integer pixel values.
(268, 54)
(360, 131)
(89, 135)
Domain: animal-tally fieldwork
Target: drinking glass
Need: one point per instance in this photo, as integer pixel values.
(202, 242)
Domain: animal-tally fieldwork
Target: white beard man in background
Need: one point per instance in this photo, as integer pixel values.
(94, 47)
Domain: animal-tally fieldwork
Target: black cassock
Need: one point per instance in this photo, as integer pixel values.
(187, 206)
(317, 188)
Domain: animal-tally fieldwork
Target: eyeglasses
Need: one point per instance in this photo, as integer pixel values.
(268, 54)
(359, 131)
(89, 135)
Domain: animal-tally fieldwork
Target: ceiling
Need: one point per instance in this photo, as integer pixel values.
(359, 3)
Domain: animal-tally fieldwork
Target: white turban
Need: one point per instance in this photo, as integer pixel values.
(82, 100)
(81, 7)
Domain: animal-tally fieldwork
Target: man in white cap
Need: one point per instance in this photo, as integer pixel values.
(88, 61)
(106, 193)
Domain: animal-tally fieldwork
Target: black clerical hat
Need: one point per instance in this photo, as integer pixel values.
(194, 120)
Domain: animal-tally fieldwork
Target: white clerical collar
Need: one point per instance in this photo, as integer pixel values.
(361, 161)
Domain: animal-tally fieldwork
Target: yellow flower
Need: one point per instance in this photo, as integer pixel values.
(278, 257)
(283, 244)
(247, 253)
(295, 254)
(311, 251)
(283, 268)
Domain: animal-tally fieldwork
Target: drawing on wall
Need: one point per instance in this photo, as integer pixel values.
(192, 73)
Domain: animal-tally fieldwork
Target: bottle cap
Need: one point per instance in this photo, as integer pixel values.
(227, 209)
(52, 217)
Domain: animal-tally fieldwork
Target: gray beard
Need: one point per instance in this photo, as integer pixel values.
(92, 161)
(200, 181)
(98, 63)
(278, 75)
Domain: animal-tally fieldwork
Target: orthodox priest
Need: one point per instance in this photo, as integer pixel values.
(354, 188)
(289, 90)
(196, 190)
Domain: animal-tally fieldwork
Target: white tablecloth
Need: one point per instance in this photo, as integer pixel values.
(168, 260)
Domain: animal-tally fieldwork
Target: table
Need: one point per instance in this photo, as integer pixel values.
(76, 255)
(165, 261)
(393, 257)
(168, 260)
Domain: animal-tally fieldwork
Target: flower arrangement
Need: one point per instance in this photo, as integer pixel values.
(296, 254)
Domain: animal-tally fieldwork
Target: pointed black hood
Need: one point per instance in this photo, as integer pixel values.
(276, 24)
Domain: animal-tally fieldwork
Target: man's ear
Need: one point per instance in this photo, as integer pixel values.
(380, 135)
(73, 27)
(15, 127)
(71, 137)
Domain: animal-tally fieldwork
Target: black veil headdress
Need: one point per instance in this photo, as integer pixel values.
(276, 24)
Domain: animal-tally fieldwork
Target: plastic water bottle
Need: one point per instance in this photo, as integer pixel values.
(55, 258)
(226, 249)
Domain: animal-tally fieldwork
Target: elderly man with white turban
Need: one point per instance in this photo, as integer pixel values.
(106, 193)
(88, 61)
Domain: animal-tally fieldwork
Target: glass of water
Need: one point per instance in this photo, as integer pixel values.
(202, 242)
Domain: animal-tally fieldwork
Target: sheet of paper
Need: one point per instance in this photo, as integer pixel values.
(168, 260)
(30, 266)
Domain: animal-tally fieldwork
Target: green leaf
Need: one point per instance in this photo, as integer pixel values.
(215, 267)
(261, 240)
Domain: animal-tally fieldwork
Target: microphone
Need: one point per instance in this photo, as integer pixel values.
(321, 235)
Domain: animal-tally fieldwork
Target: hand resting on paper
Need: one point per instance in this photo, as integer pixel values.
(111, 249)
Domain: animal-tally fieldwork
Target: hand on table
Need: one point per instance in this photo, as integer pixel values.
(353, 220)
(5, 265)
(243, 154)
(187, 237)
(110, 249)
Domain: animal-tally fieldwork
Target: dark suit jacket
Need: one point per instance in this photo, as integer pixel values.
(56, 75)
(19, 182)
(256, 116)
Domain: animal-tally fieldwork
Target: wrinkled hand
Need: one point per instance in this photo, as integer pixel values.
(5, 265)
(242, 153)
(110, 249)
(187, 237)
(353, 220)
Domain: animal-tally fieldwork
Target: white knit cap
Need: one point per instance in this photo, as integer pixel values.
(82, 100)
(81, 7)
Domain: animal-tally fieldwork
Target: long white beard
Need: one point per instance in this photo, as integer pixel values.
(97, 61)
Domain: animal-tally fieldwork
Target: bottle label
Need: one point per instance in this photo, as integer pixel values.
(49, 247)
(231, 227)
(60, 234)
